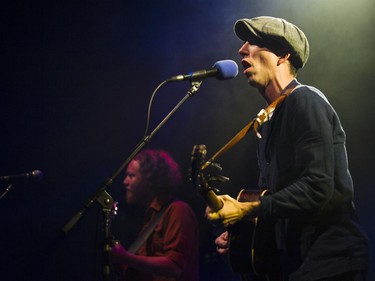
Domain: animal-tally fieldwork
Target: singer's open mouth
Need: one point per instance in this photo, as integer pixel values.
(245, 64)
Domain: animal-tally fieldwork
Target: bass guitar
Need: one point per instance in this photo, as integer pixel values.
(252, 247)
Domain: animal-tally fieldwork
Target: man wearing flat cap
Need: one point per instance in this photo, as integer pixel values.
(303, 166)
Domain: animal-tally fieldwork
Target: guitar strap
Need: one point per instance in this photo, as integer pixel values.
(142, 237)
(262, 116)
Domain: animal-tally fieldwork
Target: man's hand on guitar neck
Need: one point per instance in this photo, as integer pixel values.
(232, 211)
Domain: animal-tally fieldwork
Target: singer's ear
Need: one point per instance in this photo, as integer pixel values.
(283, 58)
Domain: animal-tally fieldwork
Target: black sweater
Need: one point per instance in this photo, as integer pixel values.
(303, 163)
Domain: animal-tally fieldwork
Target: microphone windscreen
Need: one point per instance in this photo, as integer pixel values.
(227, 69)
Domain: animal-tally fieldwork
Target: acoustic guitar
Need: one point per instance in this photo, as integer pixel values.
(252, 247)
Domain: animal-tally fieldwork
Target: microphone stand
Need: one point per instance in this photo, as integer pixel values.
(6, 190)
(105, 199)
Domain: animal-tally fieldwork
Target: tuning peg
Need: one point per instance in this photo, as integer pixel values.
(216, 190)
(216, 166)
(218, 178)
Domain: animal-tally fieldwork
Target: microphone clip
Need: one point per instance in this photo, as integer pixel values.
(195, 87)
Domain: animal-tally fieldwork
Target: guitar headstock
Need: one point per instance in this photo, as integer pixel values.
(113, 213)
(198, 157)
(200, 181)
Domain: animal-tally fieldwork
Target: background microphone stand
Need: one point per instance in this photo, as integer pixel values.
(12, 179)
(105, 199)
(9, 187)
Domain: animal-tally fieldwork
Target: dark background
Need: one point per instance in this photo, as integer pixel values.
(75, 82)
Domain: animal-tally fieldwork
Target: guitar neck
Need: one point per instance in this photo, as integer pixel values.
(212, 200)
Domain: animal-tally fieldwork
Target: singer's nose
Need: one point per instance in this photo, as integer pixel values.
(244, 50)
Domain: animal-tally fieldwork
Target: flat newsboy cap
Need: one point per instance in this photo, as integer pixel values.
(275, 32)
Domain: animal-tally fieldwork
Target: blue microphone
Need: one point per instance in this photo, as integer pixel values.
(222, 70)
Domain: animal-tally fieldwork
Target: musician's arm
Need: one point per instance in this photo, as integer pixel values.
(157, 265)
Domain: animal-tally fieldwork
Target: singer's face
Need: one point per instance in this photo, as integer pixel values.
(138, 192)
(259, 64)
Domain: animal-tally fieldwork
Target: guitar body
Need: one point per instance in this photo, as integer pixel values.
(252, 245)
